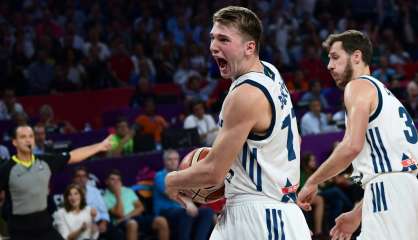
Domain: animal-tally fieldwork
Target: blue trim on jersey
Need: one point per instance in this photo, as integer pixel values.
(244, 156)
(373, 198)
(385, 154)
(259, 184)
(382, 167)
(253, 161)
(274, 214)
(378, 198)
(268, 221)
(268, 72)
(372, 155)
(275, 226)
(281, 225)
(382, 188)
(380, 103)
(253, 136)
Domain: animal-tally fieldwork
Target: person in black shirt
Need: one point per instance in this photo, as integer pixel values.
(25, 178)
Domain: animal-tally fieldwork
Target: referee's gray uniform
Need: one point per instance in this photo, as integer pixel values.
(27, 189)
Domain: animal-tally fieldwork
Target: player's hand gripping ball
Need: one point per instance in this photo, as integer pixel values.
(202, 195)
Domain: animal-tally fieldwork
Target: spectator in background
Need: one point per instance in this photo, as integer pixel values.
(315, 92)
(397, 54)
(186, 224)
(143, 91)
(4, 154)
(315, 121)
(183, 72)
(76, 219)
(102, 49)
(48, 25)
(127, 210)
(19, 119)
(122, 141)
(120, 63)
(47, 119)
(195, 89)
(151, 123)
(299, 82)
(197, 59)
(21, 56)
(75, 40)
(308, 163)
(144, 72)
(97, 73)
(311, 63)
(40, 74)
(74, 71)
(94, 199)
(338, 118)
(143, 65)
(42, 145)
(9, 105)
(384, 72)
(411, 103)
(204, 123)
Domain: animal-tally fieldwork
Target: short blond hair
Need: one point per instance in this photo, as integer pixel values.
(245, 20)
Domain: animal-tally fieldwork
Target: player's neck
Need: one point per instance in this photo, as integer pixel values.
(360, 72)
(251, 65)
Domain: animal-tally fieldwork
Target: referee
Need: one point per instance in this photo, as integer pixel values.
(25, 179)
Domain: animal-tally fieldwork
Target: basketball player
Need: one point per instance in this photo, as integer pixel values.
(256, 152)
(381, 143)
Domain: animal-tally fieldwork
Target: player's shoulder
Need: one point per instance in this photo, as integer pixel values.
(360, 92)
(360, 85)
(247, 92)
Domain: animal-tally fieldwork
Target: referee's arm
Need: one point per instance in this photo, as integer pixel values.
(80, 154)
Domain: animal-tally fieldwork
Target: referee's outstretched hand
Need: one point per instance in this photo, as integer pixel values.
(105, 145)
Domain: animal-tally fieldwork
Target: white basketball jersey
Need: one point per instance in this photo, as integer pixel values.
(391, 138)
(268, 165)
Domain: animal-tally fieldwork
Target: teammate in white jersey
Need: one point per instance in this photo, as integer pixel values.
(256, 152)
(381, 143)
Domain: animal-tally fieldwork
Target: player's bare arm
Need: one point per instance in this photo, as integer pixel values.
(360, 100)
(241, 115)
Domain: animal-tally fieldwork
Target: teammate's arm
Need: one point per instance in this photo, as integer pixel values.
(347, 223)
(359, 97)
(241, 112)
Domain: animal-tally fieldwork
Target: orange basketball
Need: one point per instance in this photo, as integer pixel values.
(202, 195)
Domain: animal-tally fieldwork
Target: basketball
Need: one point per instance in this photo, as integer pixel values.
(203, 195)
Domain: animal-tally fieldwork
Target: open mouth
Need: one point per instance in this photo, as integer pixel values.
(222, 63)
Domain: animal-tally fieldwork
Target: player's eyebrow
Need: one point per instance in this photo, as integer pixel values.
(332, 54)
(218, 35)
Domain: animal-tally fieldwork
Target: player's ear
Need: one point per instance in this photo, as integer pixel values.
(357, 56)
(250, 48)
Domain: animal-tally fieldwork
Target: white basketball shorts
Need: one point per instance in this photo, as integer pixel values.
(253, 220)
(390, 208)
